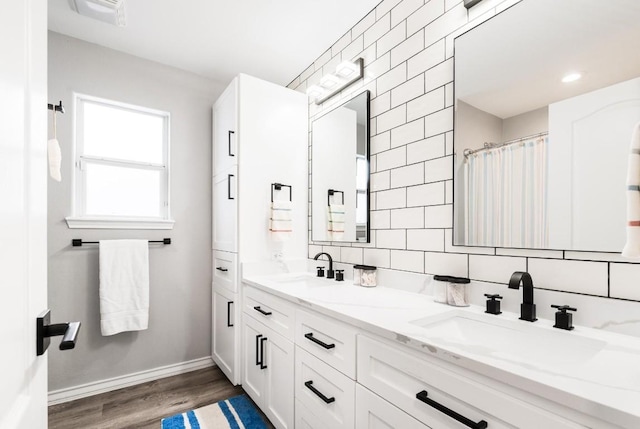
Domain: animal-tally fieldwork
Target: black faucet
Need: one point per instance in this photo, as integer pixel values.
(527, 308)
(330, 271)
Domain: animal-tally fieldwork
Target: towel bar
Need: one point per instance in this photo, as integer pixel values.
(278, 187)
(76, 242)
(330, 193)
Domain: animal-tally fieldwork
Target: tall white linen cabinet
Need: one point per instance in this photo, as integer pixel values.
(260, 137)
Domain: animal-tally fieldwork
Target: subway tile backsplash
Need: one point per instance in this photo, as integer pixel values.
(407, 46)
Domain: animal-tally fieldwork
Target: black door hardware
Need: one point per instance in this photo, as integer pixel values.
(326, 400)
(224, 270)
(44, 332)
(229, 197)
(230, 132)
(261, 311)
(258, 362)
(262, 341)
(229, 324)
(423, 396)
(310, 337)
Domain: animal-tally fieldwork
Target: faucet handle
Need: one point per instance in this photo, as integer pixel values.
(320, 271)
(564, 320)
(493, 305)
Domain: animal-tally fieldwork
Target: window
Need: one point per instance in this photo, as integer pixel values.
(121, 166)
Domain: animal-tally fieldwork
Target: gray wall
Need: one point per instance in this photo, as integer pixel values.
(180, 274)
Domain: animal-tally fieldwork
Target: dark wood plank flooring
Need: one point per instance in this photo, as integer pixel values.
(144, 405)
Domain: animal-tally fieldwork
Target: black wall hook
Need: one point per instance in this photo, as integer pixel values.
(57, 108)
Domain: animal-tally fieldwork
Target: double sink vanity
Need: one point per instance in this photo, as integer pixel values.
(370, 357)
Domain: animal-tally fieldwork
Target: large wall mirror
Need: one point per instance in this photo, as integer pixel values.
(340, 173)
(547, 94)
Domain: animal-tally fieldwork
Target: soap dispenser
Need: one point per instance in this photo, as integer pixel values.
(564, 320)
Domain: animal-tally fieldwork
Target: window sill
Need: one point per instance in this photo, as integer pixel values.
(122, 223)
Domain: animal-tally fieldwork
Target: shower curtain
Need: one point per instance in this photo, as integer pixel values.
(506, 189)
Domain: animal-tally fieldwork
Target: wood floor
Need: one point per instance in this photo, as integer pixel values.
(144, 405)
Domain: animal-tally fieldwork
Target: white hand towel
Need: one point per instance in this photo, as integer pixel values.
(280, 224)
(124, 286)
(632, 247)
(55, 159)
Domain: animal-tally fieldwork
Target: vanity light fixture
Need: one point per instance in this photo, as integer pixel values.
(571, 77)
(470, 3)
(346, 73)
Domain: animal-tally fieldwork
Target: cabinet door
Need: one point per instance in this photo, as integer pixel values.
(373, 412)
(225, 149)
(224, 333)
(253, 374)
(225, 209)
(279, 387)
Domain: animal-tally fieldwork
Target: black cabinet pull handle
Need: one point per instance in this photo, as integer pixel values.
(423, 396)
(310, 336)
(260, 310)
(224, 270)
(318, 393)
(229, 197)
(257, 349)
(230, 132)
(262, 341)
(229, 324)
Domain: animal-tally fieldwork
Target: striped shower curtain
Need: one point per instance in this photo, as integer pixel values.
(506, 189)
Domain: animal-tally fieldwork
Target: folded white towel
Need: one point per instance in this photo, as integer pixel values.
(55, 159)
(632, 247)
(280, 224)
(124, 286)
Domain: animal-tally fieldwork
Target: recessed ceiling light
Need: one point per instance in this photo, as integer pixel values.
(571, 77)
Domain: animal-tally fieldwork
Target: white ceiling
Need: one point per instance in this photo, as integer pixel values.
(514, 62)
(272, 40)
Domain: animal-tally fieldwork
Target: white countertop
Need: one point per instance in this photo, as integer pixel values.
(604, 382)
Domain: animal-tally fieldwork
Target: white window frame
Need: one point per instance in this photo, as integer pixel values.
(79, 219)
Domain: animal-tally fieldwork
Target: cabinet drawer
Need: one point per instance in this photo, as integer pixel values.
(331, 341)
(274, 312)
(373, 412)
(325, 392)
(224, 270)
(305, 419)
(398, 374)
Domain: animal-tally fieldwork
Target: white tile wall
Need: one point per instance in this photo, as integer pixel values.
(412, 218)
(407, 260)
(406, 176)
(391, 238)
(407, 46)
(497, 269)
(625, 281)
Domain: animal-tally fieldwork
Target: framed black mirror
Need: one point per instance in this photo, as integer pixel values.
(340, 173)
(547, 95)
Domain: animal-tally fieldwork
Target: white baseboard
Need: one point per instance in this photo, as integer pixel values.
(102, 386)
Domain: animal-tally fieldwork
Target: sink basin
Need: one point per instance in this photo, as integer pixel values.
(509, 340)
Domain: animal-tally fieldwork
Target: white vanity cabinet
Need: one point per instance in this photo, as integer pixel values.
(258, 128)
(268, 365)
(401, 375)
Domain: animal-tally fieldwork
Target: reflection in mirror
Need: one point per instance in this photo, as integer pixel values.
(340, 173)
(541, 156)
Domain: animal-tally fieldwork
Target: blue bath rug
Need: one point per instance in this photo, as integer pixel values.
(234, 413)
